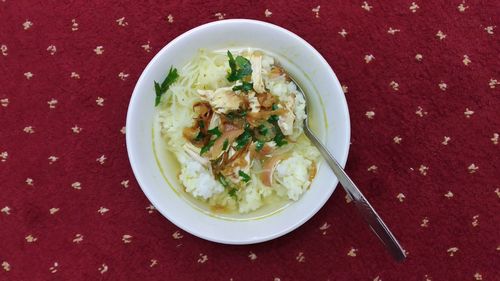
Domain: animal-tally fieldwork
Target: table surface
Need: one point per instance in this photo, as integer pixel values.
(421, 81)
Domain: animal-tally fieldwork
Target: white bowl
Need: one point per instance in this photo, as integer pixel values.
(327, 106)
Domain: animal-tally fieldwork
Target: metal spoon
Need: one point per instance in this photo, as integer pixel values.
(371, 217)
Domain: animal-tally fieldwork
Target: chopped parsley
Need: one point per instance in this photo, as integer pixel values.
(215, 131)
(160, 89)
(240, 67)
(259, 145)
(244, 176)
(207, 147)
(201, 124)
(274, 107)
(199, 136)
(232, 193)
(263, 130)
(243, 139)
(279, 139)
(225, 145)
(236, 114)
(245, 87)
(223, 181)
(273, 118)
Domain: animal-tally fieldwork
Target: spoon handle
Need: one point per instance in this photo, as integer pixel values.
(369, 214)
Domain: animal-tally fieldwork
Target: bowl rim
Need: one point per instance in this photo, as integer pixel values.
(135, 94)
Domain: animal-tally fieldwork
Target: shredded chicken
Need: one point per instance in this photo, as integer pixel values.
(258, 84)
(222, 100)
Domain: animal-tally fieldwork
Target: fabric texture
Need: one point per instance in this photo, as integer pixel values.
(421, 81)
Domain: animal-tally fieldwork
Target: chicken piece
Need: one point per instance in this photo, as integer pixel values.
(214, 122)
(194, 152)
(254, 102)
(258, 84)
(285, 121)
(222, 100)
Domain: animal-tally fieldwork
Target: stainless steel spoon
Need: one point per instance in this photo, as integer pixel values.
(371, 217)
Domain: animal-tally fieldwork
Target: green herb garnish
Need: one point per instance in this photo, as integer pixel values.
(263, 130)
(223, 181)
(232, 193)
(240, 67)
(243, 139)
(273, 118)
(259, 145)
(274, 107)
(244, 176)
(279, 139)
(245, 87)
(207, 147)
(199, 136)
(225, 145)
(215, 131)
(201, 124)
(160, 89)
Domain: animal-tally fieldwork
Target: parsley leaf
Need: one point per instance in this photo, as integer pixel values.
(225, 145)
(201, 124)
(245, 87)
(273, 118)
(240, 67)
(279, 139)
(232, 193)
(160, 89)
(263, 130)
(223, 181)
(274, 107)
(207, 147)
(259, 145)
(215, 131)
(243, 139)
(244, 176)
(199, 136)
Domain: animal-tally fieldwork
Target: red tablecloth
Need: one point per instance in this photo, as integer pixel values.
(421, 81)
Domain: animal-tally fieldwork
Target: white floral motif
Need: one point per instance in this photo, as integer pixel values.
(300, 257)
(468, 113)
(345, 89)
(52, 49)
(29, 181)
(252, 256)
(316, 11)
(493, 83)
(377, 278)
(413, 7)
(448, 194)
(466, 60)
(101, 159)
(6, 266)
(53, 159)
(4, 49)
(6, 210)
(103, 268)
(27, 24)
(401, 197)
(177, 235)
(219, 16)
(472, 168)
(348, 199)
(372, 168)
(202, 258)
(124, 183)
(324, 227)
(495, 138)
(146, 47)
(267, 13)
(52, 103)
(150, 209)
(122, 75)
(446, 140)
(366, 6)
(393, 31)
(53, 268)
(30, 238)
(394, 85)
(489, 29)
(170, 18)
(28, 75)
(4, 155)
(442, 86)
(153, 262)
(475, 220)
(397, 139)
(419, 57)
(343, 33)
(440, 35)
(4, 102)
(461, 8)
(478, 276)
(76, 129)
(127, 238)
(99, 50)
(497, 191)
(370, 114)
(123, 130)
(78, 238)
(352, 252)
(99, 101)
(369, 58)
(74, 25)
(121, 21)
(29, 130)
(75, 75)
(53, 210)
(76, 185)
(420, 112)
(451, 251)
(425, 222)
(102, 210)
(423, 169)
